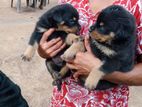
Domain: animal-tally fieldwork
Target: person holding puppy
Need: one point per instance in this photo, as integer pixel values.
(74, 95)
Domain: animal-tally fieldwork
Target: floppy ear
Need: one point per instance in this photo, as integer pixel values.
(55, 19)
(122, 33)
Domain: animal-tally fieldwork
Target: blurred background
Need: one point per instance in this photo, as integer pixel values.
(16, 27)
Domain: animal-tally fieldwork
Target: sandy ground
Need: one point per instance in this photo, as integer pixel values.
(32, 77)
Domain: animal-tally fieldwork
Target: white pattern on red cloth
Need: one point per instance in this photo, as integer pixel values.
(74, 95)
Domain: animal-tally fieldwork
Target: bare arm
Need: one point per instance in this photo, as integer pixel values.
(85, 61)
(133, 77)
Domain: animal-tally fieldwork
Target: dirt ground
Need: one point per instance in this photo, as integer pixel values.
(32, 77)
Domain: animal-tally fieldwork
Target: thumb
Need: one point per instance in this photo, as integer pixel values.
(87, 44)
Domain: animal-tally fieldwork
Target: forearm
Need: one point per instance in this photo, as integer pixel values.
(134, 77)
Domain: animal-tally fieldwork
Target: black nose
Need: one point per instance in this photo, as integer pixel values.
(91, 28)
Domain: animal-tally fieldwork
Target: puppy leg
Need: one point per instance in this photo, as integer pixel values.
(64, 71)
(30, 51)
(57, 77)
(93, 79)
(72, 51)
(33, 43)
(77, 45)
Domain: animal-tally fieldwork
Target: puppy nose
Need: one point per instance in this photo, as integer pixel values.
(91, 28)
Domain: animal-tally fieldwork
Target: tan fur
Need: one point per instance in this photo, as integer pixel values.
(62, 27)
(72, 50)
(41, 30)
(93, 78)
(71, 38)
(107, 51)
(30, 51)
(63, 71)
(101, 38)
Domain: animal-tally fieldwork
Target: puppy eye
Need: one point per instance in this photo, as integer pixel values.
(71, 21)
(101, 24)
(102, 29)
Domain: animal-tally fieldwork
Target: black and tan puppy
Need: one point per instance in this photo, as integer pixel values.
(64, 18)
(112, 40)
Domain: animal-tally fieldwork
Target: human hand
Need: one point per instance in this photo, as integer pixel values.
(84, 62)
(48, 49)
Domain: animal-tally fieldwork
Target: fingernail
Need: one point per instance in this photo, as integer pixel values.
(53, 40)
(58, 38)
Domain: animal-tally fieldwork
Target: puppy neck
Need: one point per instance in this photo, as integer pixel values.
(104, 49)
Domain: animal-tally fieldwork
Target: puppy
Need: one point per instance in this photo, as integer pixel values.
(64, 18)
(112, 40)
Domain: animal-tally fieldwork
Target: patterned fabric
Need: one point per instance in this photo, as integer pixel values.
(74, 95)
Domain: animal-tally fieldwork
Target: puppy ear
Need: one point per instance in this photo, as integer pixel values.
(55, 19)
(122, 34)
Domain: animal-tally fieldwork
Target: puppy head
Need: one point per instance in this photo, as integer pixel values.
(65, 18)
(114, 23)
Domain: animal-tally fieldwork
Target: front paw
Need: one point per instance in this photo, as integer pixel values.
(26, 57)
(91, 83)
(68, 55)
(28, 54)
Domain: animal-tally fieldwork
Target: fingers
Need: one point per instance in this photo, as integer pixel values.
(87, 44)
(46, 35)
(51, 48)
(52, 44)
(48, 49)
(57, 51)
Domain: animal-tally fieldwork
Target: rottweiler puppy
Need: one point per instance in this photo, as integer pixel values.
(64, 18)
(113, 41)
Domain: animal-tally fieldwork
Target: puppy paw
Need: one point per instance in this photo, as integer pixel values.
(91, 83)
(28, 54)
(93, 79)
(57, 81)
(26, 57)
(57, 76)
(68, 55)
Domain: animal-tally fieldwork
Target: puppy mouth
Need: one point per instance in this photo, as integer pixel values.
(95, 35)
(67, 29)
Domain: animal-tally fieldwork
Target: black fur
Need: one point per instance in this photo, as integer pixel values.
(51, 19)
(119, 21)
